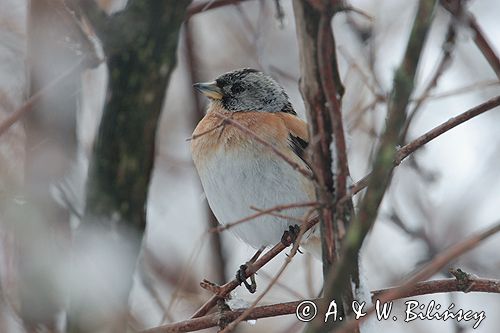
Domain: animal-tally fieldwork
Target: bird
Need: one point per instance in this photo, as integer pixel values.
(239, 173)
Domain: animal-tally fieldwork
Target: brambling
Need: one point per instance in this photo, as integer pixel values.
(239, 173)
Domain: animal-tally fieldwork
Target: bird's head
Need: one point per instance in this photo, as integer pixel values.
(247, 90)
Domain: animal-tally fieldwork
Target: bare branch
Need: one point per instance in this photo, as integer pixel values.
(261, 212)
(288, 259)
(425, 138)
(438, 263)
(465, 89)
(474, 284)
(383, 165)
(252, 268)
(322, 91)
(443, 286)
(213, 320)
(90, 10)
(35, 98)
(456, 8)
(444, 63)
(444, 127)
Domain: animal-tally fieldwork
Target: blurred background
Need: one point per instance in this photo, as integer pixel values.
(440, 195)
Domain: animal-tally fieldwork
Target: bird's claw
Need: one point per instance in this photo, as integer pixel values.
(290, 236)
(241, 277)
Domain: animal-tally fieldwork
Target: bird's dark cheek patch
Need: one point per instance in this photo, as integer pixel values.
(229, 103)
(237, 88)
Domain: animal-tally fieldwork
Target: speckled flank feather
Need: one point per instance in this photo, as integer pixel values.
(238, 172)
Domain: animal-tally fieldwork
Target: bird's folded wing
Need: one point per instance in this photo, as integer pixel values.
(298, 136)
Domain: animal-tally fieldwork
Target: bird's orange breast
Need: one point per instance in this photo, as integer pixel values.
(212, 134)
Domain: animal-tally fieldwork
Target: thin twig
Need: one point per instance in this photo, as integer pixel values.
(213, 320)
(290, 290)
(465, 89)
(261, 212)
(442, 286)
(444, 63)
(305, 172)
(365, 77)
(281, 216)
(421, 288)
(425, 138)
(438, 263)
(210, 130)
(444, 127)
(251, 269)
(456, 8)
(35, 98)
(288, 259)
(183, 274)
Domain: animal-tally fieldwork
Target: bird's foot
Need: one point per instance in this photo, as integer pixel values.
(241, 275)
(290, 236)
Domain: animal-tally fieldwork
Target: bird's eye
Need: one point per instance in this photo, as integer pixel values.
(237, 88)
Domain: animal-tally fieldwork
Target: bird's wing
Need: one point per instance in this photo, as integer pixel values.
(298, 136)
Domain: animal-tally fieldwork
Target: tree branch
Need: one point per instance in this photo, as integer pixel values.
(474, 284)
(456, 8)
(383, 164)
(322, 91)
(28, 106)
(261, 212)
(447, 48)
(433, 267)
(444, 127)
(442, 286)
(224, 290)
(146, 35)
(91, 10)
(288, 259)
(410, 288)
(213, 320)
(425, 138)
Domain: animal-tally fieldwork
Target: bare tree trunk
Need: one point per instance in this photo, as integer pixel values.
(140, 44)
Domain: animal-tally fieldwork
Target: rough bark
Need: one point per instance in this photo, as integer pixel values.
(140, 44)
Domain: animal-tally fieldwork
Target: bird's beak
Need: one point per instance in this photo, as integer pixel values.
(209, 89)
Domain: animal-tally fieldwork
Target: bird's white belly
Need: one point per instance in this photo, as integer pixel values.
(235, 182)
